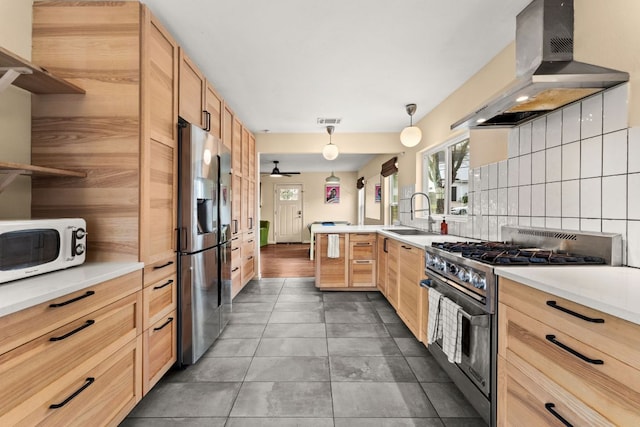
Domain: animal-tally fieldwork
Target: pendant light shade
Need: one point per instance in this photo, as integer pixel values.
(332, 179)
(411, 135)
(330, 151)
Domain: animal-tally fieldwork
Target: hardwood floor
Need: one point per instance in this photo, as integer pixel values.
(286, 260)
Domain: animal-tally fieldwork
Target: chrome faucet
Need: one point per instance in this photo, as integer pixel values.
(430, 220)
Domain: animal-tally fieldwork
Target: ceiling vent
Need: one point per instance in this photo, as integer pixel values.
(327, 121)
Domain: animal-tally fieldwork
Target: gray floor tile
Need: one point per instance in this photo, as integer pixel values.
(388, 422)
(233, 347)
(213, 369)
(427, 369)
(173, 422)
(300, 290)
(370, 399)
(242, 331)
(412, 347)
(464, 422)
(294, 368)
(308, 282)
(283, 399)
(280, 422)
(292, 347)
(247, 297)
(370, 368)
(398, 330)
(295, 330)
(251, 307)
(298, 306)
(375, 296)
(345, 296)
(258, 317)
(350, 317)
(349, 306)
(389, 316)
(300, 298)
(188, 400)
(381, 304)
(448, 400)
(297, 317)
(363, 347)
(356, 330)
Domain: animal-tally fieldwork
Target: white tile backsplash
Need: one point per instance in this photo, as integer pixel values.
(512, 201)
(538, 200)
(493, 228)
(554, 164)
(538, 134)
(591, 225)
(538, 169)
(502, 201)
(513, 149)
(614, 197)
(615, 109)
(524, 221)
(513, 172)
(571, 123)
(493, 202)
(524, 169)
(554, 129)
(633, 200)
(503, 174)
(537, 222)
(553, 222)
(484, 202)
(614, 153)
(591, 198)
(484, 177)
(571, 161)
(571, 199)
(633, 245)
(591, 117)
(524, 200)
(553, 199)
(493, 175)
(591, 157)
(570, 224)
(525, 139)
(634, 150)
(620, 227)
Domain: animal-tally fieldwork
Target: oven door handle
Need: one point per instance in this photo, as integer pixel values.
(454, 285)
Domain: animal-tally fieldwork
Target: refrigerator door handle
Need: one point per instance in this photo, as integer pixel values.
(182, 239)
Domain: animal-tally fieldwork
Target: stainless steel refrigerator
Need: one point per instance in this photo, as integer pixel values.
(202, 205)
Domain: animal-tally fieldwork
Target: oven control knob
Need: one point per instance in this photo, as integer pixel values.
(80, 233)
(463, 275)
(79, 249)
(441, 264)
(452, 269)
(478, 281)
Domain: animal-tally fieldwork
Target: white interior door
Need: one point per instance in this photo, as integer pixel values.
(288, 213)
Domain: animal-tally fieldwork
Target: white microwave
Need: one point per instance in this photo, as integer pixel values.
(30, 247)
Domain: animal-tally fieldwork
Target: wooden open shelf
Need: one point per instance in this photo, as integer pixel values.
(12, 170)
(38, 80)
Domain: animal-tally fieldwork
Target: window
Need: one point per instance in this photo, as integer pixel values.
(446, 177)
(393, 198)
(288, 194)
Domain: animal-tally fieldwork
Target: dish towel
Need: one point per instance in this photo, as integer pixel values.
(333, 246)
(451, 318)
(434, 327)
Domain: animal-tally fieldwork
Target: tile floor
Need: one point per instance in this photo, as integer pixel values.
(294, 356)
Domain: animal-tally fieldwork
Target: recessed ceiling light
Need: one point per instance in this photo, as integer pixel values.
(481, 120)
(522, 98)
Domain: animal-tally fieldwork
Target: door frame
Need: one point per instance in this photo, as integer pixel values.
(276, 206)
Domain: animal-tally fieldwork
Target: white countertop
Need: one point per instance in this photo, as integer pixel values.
(25, 293)
(612, 290)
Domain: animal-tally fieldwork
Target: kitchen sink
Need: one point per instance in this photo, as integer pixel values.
(409, 232)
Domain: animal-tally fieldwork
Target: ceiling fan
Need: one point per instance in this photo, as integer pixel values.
(275, 173)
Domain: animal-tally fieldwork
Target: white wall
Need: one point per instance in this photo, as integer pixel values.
(15, 109)
(314, 206)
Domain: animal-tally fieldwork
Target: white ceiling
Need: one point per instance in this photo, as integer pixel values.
(314, 162)
(281, 64)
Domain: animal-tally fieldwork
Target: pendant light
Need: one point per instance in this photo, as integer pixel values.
(411, 135)
(332, 179)
(330, 151)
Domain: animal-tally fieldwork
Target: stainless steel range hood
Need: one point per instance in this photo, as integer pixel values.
(547, 77)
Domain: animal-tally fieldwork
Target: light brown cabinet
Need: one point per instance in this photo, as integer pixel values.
(355, 268)
(236, 265)
(82, 362)
(584, 371)
(199, 104)
(332, 272)
(362, 260)
(381, 257)
(411, 271)
(393, 277)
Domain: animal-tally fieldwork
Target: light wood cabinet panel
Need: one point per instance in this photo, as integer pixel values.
(245, 152)
(251, 205)
(382, 264)
(158, 300)
(604, 383)
(424, 319)
(393, 278)
(213, 107)
(248, 257)
(252, 157)
(160, 345)
(332, 272)
(237, 201)
(111, 390)
(227, 130)
(361, 273)
(236, 146)
(25, 325)
(411, 265)
(236, 265)
(36, 372)
(192, 92)
(362, 260)
(244, 206)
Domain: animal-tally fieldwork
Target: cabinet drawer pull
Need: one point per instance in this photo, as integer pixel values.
(406, 247)
(549, 407)
(250, 241)
(60, 304)
(250, 258)
(235, 249)
(555, 305)
(235, 269)
(75, 331)
(86, 384)
(169, 320)
(363, 244)
(166, 264)
(363, 262)
(164, 285)
(384, 245)
(552, 338)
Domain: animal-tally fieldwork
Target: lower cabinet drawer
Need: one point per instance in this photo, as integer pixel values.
(159, 350)
(100, 396)
(158, 300)
(34, 373)
(362, 273)
(526, 394)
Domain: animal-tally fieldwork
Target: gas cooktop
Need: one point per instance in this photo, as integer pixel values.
(499, 253)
